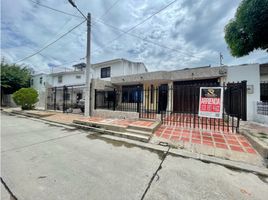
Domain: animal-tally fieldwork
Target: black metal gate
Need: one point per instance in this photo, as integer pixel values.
(66, 98)
(186, 105)
(178, 105)
(235, 100)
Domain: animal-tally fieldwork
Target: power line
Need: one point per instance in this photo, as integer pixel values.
(138, 24)
(146, 40)
(60, 11)
(46, 46)
(108, 10)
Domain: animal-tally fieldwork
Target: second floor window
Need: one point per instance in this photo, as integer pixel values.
(41, 80)
(59, 79)
(105, 72)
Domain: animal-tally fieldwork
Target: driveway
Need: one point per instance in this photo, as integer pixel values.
(42, 161)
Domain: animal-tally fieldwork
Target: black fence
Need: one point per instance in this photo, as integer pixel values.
(262, 108)
(178, 105)
(66, 98)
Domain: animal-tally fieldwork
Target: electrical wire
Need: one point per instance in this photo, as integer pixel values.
(46, 46)
(138, 24)
(109, 9)
(146, 40)
(60, 11)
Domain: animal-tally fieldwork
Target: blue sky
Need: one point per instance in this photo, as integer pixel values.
(194, 28)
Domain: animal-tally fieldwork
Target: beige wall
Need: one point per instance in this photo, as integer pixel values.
(115, 114)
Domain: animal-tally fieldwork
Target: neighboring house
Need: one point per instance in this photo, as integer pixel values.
(70, 85)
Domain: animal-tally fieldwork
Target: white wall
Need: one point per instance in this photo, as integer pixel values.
(250, 73)
(68, 79)
(40, 88)
(120, 68)
(36, 82)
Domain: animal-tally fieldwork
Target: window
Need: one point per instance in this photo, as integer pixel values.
(132, 94)
(41, 80)
(59, 79)
(78, 76)
(264, 91)
(32, 82)
(105, 72)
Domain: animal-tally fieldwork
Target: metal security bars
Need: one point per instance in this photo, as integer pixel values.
(178, 104)
(66, 98)
(262, 108)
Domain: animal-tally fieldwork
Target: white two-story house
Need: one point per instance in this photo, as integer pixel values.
(50, 86)
(117, 67)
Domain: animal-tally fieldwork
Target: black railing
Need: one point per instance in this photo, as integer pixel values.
(262, 108)
(177, 105)
(66, 98)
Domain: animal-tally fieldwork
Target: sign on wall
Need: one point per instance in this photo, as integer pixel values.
(211, 102)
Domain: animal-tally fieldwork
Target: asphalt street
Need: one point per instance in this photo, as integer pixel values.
(43, 161)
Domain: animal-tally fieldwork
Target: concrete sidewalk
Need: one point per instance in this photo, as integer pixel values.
(231, 146)
(257, 134)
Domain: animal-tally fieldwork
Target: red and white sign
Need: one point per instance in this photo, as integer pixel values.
(211, 102)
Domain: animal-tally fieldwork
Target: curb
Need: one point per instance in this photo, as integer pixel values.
(176, 152)
(258, 145)
(69, 125)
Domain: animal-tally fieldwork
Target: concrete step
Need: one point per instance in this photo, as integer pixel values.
(140, 128)
(133, 136)
(146, 133)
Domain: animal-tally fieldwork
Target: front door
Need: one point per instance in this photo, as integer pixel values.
(162, 97)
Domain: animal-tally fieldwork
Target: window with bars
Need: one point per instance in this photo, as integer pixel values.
(105, 72)
(132, 94)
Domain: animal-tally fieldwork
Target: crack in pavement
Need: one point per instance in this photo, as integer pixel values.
(12, 196)
(155, 174)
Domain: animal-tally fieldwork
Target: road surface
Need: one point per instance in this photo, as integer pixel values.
(46, 162)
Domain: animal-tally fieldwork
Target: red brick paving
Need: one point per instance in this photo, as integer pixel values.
(222, 140)
(120, 122)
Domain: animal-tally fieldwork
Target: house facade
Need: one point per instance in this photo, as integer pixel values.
(125, 89)
(69, 86)
(168, 91)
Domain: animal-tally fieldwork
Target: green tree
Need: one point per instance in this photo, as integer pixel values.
(14, 77)
(26, 98)
(249, 29)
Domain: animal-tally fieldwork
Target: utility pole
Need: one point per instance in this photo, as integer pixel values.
(221, 58)
(88, 69)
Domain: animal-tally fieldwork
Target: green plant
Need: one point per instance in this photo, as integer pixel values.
(249, 29)
(26, 98)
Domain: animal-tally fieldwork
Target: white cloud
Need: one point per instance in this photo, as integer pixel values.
(193, 28)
